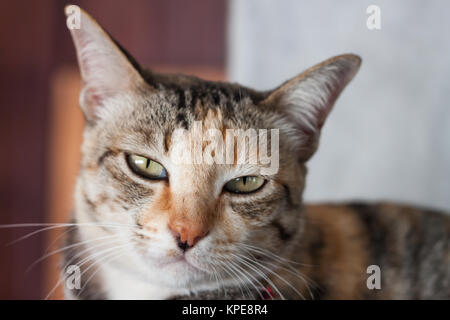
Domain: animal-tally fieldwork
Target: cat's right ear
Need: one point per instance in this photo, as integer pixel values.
(106, 71)
(306, 100)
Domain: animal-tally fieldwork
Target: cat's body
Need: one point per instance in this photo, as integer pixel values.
(410, 245)
(149, 227)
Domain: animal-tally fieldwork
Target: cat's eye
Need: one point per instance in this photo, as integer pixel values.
(245, 184)
(146, 168)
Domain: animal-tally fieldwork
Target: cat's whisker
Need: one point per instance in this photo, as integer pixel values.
(271, 254)
(278, 262)
(220, 277)
(28, 235)
(260, 273)
(230, 272)
(81, 253)
(215, 274)
(224, 262)
(247, 275)
(256, 259)
(69, 229)
(81, 263)
(105, 259)
(51, 226)
(61, 279)
(264, 276)
(95, 254)
(66, 248)
(284, 264)
(239, 272)
(296, 274)
(275, 274)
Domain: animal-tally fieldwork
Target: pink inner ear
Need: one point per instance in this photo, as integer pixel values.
(91, 100)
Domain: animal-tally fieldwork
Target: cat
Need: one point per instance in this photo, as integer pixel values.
(147, 227)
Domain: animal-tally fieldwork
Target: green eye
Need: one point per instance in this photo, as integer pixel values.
(146, 167)
(245, 184)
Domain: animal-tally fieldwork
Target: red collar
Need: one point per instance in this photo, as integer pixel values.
(268, 293)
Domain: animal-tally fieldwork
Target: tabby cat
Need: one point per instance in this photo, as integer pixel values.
(147, 227)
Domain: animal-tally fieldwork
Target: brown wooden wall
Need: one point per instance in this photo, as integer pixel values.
(38, 75)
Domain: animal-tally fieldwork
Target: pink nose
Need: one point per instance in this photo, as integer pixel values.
(187, 234)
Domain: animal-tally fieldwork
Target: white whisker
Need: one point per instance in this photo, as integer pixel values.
(51, 226)
(262, 274)
(66, 248)
(275, 274)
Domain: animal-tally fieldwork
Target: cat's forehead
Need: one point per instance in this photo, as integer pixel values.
(173, 102)
(189, 99)
(191, 90)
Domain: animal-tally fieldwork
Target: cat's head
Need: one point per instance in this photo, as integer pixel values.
(178, 223)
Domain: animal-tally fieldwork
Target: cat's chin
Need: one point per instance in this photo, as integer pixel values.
(180, 264)
(178, 272)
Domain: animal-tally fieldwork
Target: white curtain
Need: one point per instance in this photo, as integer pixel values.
(388, 136)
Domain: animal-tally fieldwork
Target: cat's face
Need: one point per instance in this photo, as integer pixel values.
(192, 224)
(183, 202)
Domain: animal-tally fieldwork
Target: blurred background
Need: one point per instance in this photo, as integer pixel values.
(387, 138)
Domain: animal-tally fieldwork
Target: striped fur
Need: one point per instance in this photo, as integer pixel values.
(124, 239)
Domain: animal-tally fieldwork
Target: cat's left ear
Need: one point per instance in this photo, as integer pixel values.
(306, 100)
(106, 69)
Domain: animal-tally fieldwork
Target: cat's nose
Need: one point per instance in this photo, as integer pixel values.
(187, 235)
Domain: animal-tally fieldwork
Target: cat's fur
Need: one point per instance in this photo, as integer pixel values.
(268, 243)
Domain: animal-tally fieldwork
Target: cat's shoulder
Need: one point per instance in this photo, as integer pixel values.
(382, 213)
(368, 207)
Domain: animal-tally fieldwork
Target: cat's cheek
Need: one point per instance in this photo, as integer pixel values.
(230, 230)
(254, 218)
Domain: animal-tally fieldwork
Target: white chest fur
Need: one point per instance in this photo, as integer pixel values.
(122, 286)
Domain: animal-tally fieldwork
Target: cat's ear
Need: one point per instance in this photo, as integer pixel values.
(307, 99)
(106, 69)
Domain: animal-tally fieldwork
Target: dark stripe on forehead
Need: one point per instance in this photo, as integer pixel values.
(201, 88)
(237, 95)
(194, 98)
(181, 98)
(166, 140)
(182, 120)
(216, 97)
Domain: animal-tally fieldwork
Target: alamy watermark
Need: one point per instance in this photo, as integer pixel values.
(373, 21)
(73, 20)
(374, 280)
(229, 146)
(73, 278)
